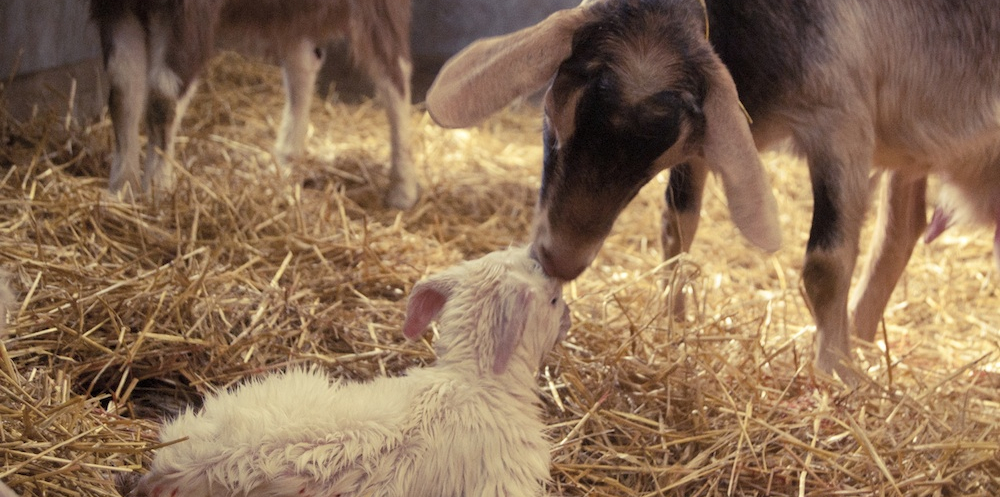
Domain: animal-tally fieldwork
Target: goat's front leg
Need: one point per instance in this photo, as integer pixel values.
(301, 62)
(840, 196)
(679, 222)
(124, 45)
(902, 217)
(403, 187)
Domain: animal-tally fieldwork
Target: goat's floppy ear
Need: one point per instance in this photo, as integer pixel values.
(490, 73)
(508, 330)
(729, 150)
(426, 301)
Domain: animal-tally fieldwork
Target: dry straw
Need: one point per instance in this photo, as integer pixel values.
(127, 312)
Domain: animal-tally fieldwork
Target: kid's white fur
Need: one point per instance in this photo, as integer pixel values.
(467, 426)
(6, 304)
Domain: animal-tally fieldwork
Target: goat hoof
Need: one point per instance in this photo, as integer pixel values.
(124, 193)
(124, 186)
(159, 181)
(402, 196)
(840, 367)
(285, 155)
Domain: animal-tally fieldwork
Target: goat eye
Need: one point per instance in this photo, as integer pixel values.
(554, 300)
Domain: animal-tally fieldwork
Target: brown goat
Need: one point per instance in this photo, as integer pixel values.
(154, 51)
(636, 87)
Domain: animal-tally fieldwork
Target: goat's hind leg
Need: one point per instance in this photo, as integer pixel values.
(404, 191)
(169, 95)
(379, 35)
(124, 44)
(902, 217)
(679, 224)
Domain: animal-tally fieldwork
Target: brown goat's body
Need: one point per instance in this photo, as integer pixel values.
(155, 50)
(910, 87)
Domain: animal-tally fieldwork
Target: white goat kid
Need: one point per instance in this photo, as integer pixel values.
(467, 426)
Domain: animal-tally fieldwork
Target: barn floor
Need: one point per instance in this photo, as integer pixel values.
(130, 311)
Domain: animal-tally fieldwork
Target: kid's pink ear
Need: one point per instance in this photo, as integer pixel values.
(426, 302)
(509, 329)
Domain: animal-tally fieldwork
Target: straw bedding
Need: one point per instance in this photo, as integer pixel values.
(128, 312)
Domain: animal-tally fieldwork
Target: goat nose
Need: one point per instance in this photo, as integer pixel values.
(559, 264)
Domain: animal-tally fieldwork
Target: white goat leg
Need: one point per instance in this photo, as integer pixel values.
(403, 188)
(127, 67)
(301, 63)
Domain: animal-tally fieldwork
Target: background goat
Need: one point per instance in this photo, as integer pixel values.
(467, 426)
(636, 87)
(154, 50)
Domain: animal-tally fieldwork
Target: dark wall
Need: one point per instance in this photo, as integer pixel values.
(440, 29)
(443, 27)
(40, 34)
(53, 50)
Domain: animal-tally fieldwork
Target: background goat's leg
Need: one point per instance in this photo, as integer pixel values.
(403, 189)
(301, 62)
(165, 89)
(125, 57)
